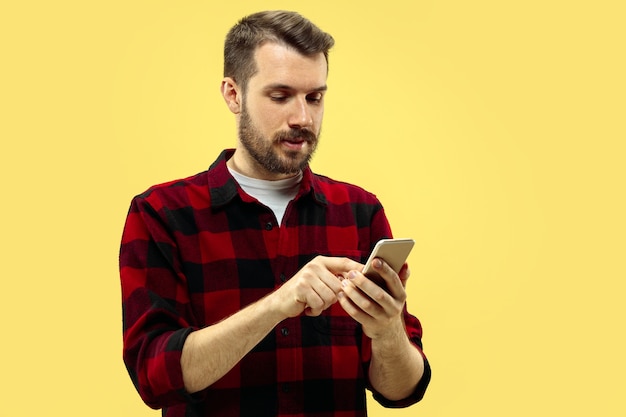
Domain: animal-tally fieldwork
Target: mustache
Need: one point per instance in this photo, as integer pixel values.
(305, 134)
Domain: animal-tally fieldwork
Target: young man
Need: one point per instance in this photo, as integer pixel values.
(242, 286)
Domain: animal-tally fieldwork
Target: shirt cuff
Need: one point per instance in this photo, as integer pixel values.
(417, 395)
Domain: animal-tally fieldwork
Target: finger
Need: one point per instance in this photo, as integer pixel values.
(314, 306)
(317, 303)
(354, 311)
(340, 265)
(327, 288)
(332, 270)
(404, 274)
(321, 276)
(321, 289)
(392, 280)
(364, 294)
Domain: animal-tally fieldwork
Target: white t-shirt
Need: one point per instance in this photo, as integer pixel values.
(274, 194)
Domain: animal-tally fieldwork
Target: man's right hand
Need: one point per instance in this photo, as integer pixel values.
(314, 288)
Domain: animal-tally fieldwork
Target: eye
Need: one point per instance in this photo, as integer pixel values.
(279, 98)
(314, 98)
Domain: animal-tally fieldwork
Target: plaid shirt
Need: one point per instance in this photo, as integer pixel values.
(197, 250)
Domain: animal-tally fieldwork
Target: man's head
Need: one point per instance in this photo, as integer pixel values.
(276, 69)
(287, 28)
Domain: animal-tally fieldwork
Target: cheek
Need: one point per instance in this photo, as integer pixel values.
(267, 119)
(272, 121)
(318, 116)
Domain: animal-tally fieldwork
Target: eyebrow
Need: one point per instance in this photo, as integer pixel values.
(278, 86)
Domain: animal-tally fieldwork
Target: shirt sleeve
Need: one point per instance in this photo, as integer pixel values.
(156, 312)
(414, 331)
(380, 229)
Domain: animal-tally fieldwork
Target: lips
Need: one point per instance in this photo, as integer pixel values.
(294, 144)
(296, 136)
(295, 140)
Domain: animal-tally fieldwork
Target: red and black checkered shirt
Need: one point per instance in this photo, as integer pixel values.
(197, 250)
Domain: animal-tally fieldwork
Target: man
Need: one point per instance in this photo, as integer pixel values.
(242, 286)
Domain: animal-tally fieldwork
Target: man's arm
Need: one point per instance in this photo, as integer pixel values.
(396, 365)
(209, 353)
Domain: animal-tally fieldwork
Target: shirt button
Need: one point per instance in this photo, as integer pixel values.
(283, 278)
(285, 387)
(284, 331)
(269, 226)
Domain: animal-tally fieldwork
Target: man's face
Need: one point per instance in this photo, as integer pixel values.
(281, 113)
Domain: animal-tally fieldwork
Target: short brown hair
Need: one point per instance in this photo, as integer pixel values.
(287, 28)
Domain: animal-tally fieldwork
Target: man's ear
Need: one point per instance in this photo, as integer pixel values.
(232, 95)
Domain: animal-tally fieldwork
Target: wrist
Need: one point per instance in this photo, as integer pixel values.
(270, 307)
(392, 335)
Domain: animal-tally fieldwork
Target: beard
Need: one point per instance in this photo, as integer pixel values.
(267, 153)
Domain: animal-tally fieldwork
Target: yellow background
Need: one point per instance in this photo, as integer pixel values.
(492, 131)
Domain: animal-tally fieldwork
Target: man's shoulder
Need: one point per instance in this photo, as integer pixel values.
(173, 186)
(178, 193)
(197, 183)
(333, 189)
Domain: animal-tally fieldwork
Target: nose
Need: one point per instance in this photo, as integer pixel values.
(300, 116)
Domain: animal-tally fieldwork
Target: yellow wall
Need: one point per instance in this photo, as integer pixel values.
(493, 132)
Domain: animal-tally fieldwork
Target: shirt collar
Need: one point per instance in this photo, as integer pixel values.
(223, 187)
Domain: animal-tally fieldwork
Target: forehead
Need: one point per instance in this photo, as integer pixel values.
(278, 64)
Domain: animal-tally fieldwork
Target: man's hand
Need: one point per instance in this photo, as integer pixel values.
(378, 311)
(314, 288)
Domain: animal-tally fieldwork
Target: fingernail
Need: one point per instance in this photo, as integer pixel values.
(377, 263)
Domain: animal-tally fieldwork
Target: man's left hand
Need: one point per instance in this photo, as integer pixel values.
(378, 310)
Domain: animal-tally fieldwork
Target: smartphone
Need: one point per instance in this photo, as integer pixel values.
(393, 251)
